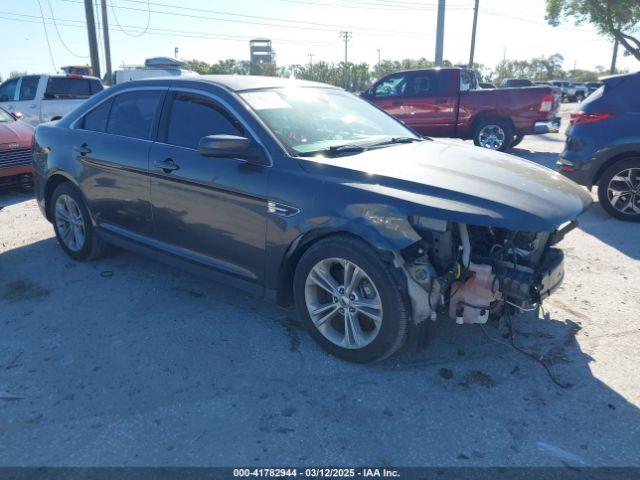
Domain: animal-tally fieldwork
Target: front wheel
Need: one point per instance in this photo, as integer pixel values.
(579, 97)
(494, 134)
(619, 189)
(517, 138)
(349, 300)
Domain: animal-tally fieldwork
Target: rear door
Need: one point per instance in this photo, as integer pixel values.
(211, 210)
(111, 146)
(389, 94)
(431, 101)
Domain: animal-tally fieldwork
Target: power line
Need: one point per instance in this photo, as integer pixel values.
(46, 36)
(115, 17)
(376, 6)
(55, 25)
(299, 25)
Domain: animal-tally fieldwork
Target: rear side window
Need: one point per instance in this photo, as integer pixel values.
(431, 84)
(132, 114)
(8, 90)
(96, 119)
(67, 87)
(29, 87)
(193, 117)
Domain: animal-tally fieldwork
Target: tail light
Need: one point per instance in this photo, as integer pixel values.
(547, 103)
(579, 118)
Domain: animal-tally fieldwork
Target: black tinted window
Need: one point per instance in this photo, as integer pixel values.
(68, 87)
(96, 86)
(193, 117)
(132, 114)
(96, 119)
(28, 88)
(8, 90)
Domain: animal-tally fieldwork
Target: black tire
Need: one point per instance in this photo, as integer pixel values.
(501, 124)
(603, 186)
(517, 138)
(579, 97)
(394, 325)
(92, 247)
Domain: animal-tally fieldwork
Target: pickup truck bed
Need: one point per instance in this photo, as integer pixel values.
(447, 103)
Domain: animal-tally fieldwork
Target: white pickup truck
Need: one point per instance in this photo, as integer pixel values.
(41, 98)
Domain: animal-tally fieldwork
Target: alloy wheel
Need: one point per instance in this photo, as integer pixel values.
(623, 191)
(343, 303)
(70, 223)
(491, 137)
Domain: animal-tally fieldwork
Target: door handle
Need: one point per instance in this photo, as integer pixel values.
(167, 165)
(82, 149)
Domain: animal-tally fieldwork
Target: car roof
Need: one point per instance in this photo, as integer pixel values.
(239, 83)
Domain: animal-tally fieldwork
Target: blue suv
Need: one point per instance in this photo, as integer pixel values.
(603, 145)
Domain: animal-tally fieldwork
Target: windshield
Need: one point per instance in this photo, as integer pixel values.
(309, 120)
(5, 117)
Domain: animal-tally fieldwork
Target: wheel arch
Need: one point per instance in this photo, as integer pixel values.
(50, 186)
(489, 115)
(635, 152)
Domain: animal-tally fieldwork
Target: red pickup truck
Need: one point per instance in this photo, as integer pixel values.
(447, 102)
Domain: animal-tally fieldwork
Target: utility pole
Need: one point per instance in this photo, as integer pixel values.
(504, 54)
(345, 36)
(93, 40)
(473, 34)
(378, 58)
(440, 33)
(310, 61)
(175, 53)
(107, 45)
(612, 71)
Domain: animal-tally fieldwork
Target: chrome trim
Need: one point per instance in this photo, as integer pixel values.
(281, 209)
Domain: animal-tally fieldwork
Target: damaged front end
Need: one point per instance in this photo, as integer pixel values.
(473, 272)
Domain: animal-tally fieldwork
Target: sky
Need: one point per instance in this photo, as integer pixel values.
(212, 30)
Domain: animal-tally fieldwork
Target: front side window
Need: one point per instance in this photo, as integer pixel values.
(96, 119)
(28, 88)
(8, 90)
(67, 87)
(193, 117)
(392, 86)
(132, 114)
(310, 119)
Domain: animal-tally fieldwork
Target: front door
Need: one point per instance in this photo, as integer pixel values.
(389, 94)
(27, 103)
(210, 210)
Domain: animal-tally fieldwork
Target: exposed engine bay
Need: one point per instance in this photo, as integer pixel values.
(471, 273)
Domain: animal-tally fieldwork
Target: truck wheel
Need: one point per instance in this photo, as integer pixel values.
(494, 134)
(349, 300)
(619, 189)
(73, 226)
(579, 97)
(517, 138)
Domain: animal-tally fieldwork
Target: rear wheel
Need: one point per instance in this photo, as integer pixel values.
(619, 189)
(494, 134)
(350, 301)
(579, 97)
(73, 226)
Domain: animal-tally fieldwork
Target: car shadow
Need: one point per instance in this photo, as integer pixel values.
(13, 195)
(546, 159)
(165, 365)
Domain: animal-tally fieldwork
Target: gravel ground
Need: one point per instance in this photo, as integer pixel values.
(125, 361)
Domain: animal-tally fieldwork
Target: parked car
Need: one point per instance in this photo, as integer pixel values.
(41, 98)
(16, 139)
(515, 82)
(448, 103)
(304, 193)
(603, 145)
(486, 85)
(592, 86)
(571, 92)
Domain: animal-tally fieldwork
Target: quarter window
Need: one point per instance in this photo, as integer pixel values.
(96, 119)
(193, 117)
(132, 114)
(28, 88)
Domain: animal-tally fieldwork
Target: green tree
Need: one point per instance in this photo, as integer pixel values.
(618, 19)
(17, 73)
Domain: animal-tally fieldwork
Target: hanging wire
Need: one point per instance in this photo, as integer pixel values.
(55, 25)
(115, 18)
(46, 35)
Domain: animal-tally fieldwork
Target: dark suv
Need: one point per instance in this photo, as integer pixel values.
(603, 145)
(306, 194)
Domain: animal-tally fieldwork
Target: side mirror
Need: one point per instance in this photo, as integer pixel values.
(233, 146)
(17, 115)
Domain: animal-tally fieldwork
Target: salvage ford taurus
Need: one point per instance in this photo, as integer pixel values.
(306, 194)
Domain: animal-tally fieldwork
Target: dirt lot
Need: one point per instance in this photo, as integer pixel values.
(128, 362)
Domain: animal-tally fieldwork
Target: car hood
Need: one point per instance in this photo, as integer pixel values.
(16, 133)
(460, 183)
